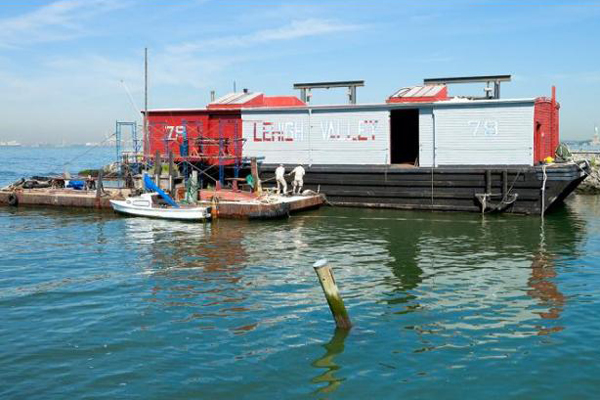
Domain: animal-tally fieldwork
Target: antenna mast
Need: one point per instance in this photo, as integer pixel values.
(145, 100)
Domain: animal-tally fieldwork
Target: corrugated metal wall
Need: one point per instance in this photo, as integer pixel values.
(484, 134)
(323, 136)
(477, 133)
(426, 137)
(166, 131)
(280, 137)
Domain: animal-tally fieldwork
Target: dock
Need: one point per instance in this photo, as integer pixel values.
(63, 197)
(227, 204)
(242, 205)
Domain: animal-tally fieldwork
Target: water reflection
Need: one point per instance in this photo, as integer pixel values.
(543, 288)
(327, 362)
(452, 280)
(148, 231)
(492, 275)
(199, 266)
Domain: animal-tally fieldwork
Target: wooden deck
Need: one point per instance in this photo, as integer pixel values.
(244, 205)
(63, 198)
(228, 204)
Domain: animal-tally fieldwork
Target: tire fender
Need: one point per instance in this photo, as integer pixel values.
(13, 200)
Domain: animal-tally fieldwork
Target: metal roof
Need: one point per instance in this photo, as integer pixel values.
(452, 102)
(236, 98)
(419, 91)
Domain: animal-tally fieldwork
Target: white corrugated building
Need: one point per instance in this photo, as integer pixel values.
(422, 133)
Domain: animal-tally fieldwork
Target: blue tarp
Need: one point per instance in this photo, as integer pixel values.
(77, 185)
(150, 185)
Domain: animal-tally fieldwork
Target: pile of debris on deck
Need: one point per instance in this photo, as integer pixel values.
(58, 191)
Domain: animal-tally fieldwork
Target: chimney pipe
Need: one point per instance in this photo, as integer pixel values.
(212, 96)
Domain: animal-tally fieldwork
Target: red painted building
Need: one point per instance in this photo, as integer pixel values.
(214, 133)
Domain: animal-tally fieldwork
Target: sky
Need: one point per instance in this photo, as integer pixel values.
(70, 68)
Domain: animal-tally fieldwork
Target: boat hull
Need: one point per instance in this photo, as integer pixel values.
(180, 214)
(513, 189)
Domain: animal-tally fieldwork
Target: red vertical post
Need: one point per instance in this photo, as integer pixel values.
(554, 136)
(220, 159)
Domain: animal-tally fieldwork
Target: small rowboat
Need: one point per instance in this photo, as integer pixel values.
(150, 205)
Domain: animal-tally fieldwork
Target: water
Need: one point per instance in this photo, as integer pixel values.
(444, 305)
(17, 162)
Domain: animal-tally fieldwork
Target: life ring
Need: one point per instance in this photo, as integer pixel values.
(13, 200)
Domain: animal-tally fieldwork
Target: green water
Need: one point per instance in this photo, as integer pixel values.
(448, 306)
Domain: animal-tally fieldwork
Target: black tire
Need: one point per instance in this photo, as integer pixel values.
(13, 200)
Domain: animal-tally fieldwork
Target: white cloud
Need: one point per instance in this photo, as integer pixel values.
(60, 20)
(87, 87)
(181, 64)
(294, 30)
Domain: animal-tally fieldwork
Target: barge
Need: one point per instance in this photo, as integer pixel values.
(419, 149)
(230, 204)
(57, 197)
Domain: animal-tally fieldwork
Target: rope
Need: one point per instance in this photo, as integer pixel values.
(511, 187)
(544, 190)
(483, 203)
(585, 172)
(484, 199)
(88, 151)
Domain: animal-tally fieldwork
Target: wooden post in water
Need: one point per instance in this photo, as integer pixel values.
(332, 294)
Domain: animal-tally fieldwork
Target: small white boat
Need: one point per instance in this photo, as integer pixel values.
(150, 205)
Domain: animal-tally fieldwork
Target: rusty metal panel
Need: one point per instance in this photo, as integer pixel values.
(484, 133)
(313, 136)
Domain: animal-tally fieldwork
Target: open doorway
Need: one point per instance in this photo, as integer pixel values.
(404, 136)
